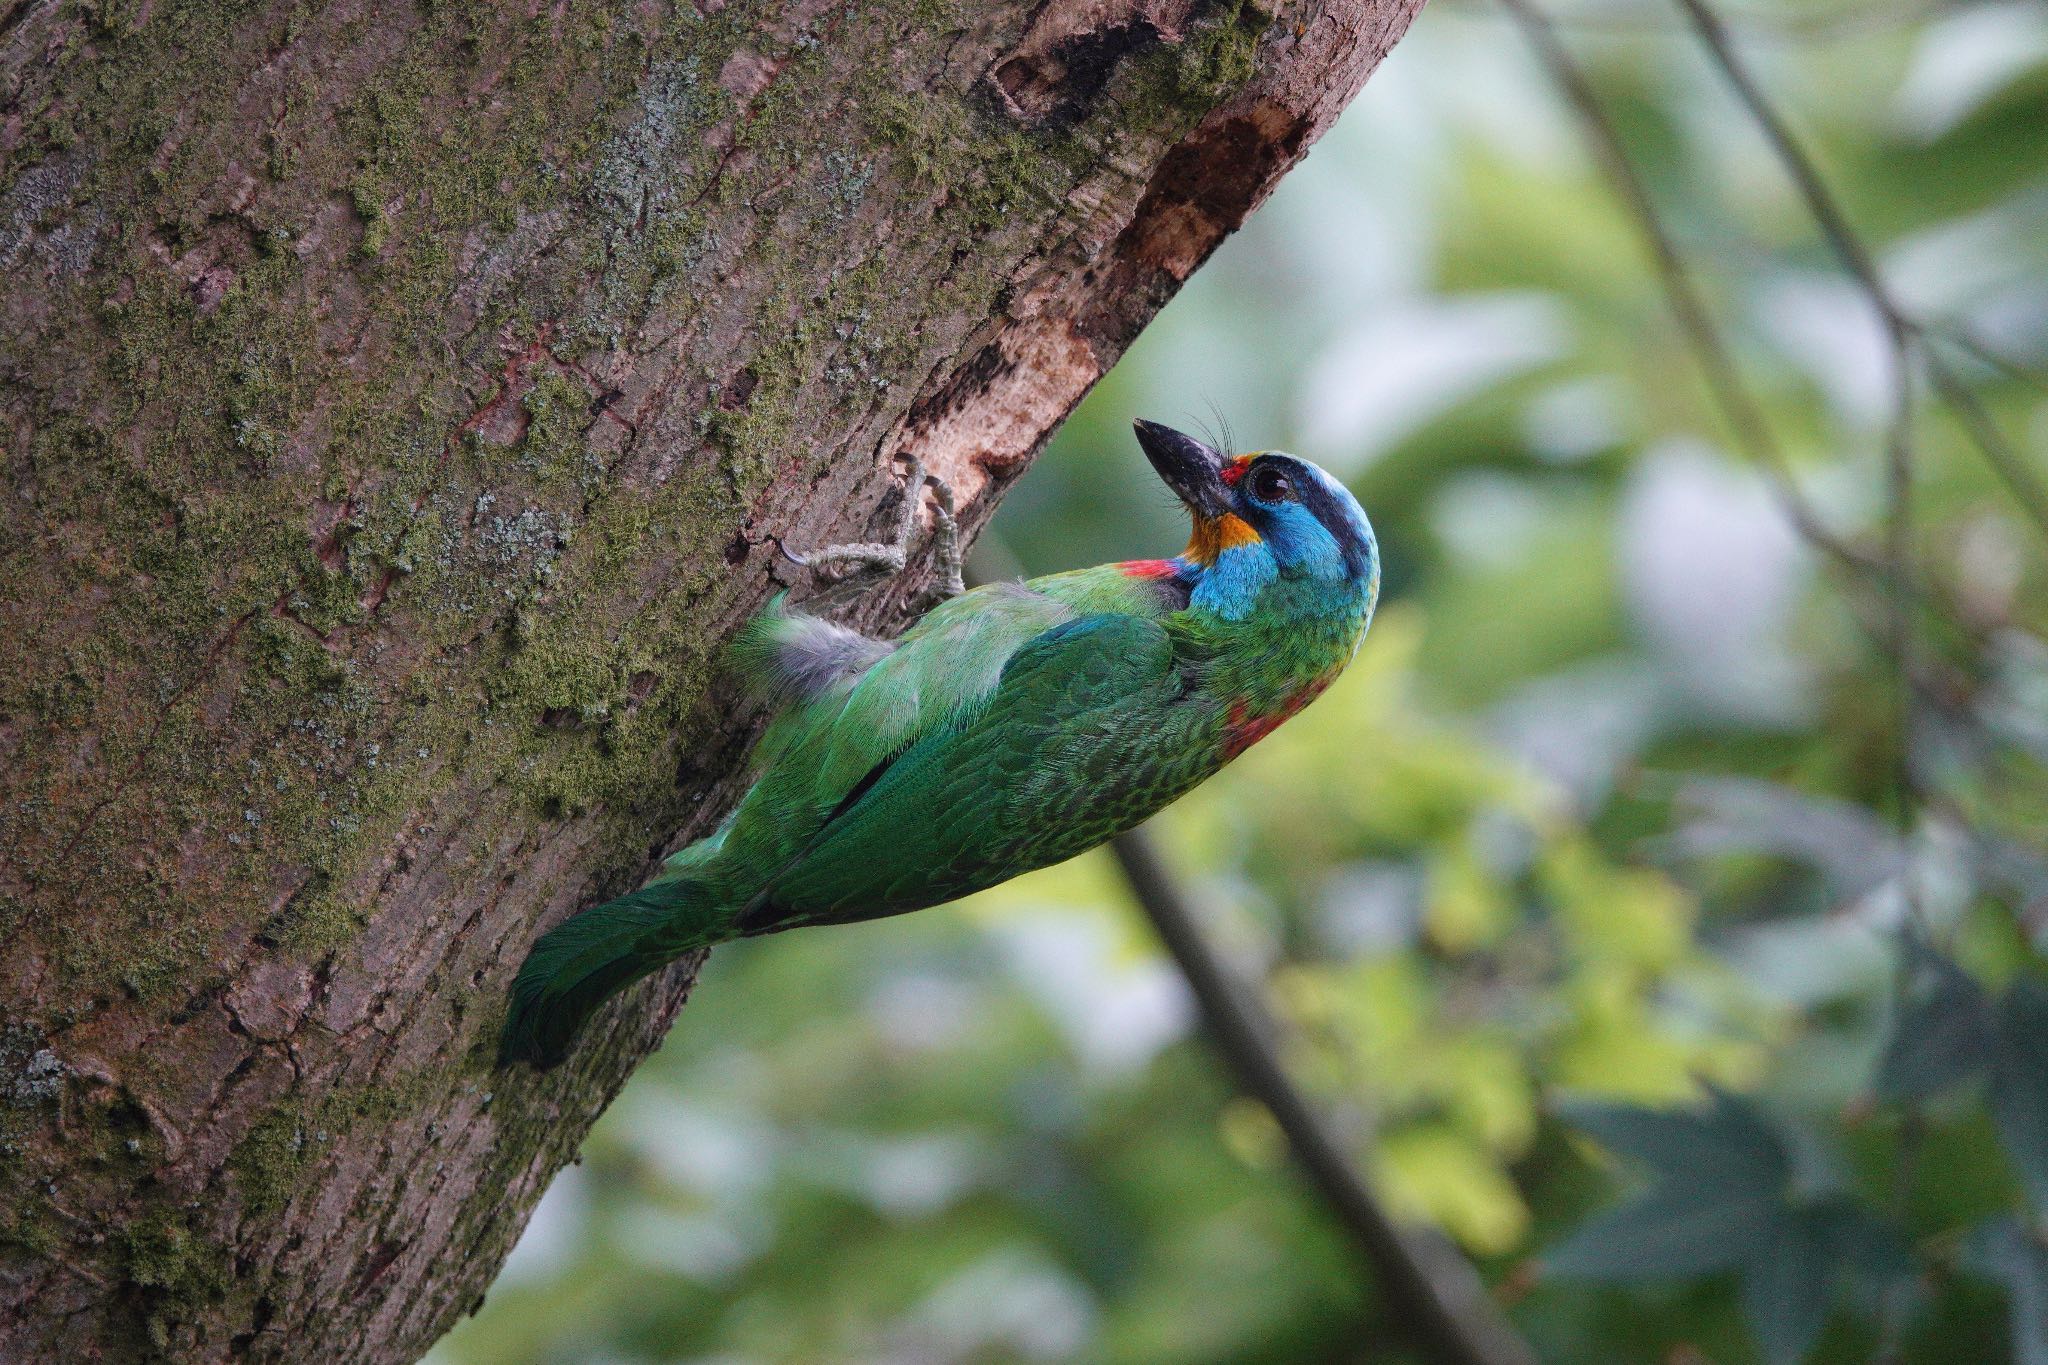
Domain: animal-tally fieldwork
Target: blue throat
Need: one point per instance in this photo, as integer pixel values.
(1231, 587)
(1245, 581)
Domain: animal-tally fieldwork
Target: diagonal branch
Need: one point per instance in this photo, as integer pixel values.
(1842, 238)
(1819, 26)
(1424, 1280)
(1716, 359)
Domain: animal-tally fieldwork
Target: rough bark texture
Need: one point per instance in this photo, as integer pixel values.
(399, 405)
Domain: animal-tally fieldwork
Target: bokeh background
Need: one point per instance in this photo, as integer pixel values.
(1611, 811)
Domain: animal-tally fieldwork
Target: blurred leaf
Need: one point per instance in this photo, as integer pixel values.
(1867, 1250)
(1614, 1044)
(1785, 1289)
(1723, 1198)
(1435, 1171)
(1788, 1290)
(2019, 1085)
(1964, 59)
(2006, 1251)
(1467, 906)
(2017, 704)
(1252, 1134)
(1671, 1232)
(1728, 1146)
(1846, 843)
(1615, 916)
(1715, 1202)
(1492, 1093)
(1943, 1035)
(2023, 873)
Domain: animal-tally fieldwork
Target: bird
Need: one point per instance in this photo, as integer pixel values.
(1013, 726)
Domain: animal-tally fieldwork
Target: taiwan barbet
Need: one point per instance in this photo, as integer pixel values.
(1012, 727)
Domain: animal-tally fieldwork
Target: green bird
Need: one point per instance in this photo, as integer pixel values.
(1010, 728)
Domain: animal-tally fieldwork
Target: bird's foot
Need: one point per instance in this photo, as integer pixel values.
(892, 555)
(946, 557)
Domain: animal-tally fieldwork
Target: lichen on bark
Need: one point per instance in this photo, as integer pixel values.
(400, 405)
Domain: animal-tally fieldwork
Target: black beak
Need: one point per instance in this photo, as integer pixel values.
(1192, 470)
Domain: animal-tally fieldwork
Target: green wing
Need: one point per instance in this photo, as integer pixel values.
(824, 747)
(1065, 752)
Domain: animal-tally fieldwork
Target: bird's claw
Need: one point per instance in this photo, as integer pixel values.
(945, 539)
(893, 555)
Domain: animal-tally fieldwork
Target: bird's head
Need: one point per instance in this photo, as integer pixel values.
(1262, 518)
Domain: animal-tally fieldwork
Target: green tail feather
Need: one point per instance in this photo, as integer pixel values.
(584, 961)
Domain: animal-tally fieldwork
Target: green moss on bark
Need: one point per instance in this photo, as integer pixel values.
(271, 1161)
(177, 1271)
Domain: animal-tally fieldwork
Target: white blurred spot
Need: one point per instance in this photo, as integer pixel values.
(1991, 558)
(1808, 960)
(2017, 704)
(2014, 323)
(698, 1247)
(1409, 363)
(1370, 909)
(1963, 58)
(1571, 422)
(1008, 1304)
(1580, 728)
(1826, 326)
(1712, 570)
(1500, 101)
(1117, 1011)
(1487, 518)
(922, 1012)
(922, 1174)
(699, 1148)
(1944, 269)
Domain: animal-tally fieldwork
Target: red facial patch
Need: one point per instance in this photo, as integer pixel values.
(1234, 471)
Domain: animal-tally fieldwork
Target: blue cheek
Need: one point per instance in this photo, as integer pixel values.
(1300, 543)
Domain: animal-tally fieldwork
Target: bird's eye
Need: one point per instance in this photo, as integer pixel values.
(1271, 484)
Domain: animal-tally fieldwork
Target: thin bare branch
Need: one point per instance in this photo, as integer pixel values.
(1424, 1280)
(2021, 482)
(1902, 647)
(1848, 247)
(1716, 359)
(1847, 21)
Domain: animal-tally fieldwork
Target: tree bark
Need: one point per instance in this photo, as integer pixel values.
(399, 406)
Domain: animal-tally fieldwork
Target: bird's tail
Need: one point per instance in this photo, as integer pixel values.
(584, 961)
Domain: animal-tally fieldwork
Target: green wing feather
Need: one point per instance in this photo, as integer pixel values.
(941, 672)
(1077, 715)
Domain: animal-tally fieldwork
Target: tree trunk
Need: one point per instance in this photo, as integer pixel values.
(399, 406)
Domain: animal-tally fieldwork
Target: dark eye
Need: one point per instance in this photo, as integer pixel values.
(1271, 484)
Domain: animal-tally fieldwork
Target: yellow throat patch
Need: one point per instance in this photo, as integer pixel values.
(1213, 535)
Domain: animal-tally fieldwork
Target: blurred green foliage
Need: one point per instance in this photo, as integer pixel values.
(1603, 924)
